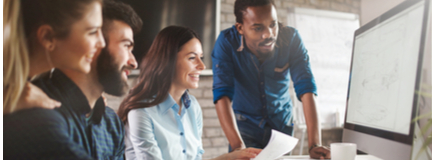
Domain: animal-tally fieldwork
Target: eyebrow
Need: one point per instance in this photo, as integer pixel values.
(93, 27)
(195, 53)
(260, 24)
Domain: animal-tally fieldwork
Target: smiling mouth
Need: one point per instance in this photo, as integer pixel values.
(127, 72)
(267, 43)
(194, 75)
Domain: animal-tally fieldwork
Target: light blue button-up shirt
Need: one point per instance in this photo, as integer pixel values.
(159, 132)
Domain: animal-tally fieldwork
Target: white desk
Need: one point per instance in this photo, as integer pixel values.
(306, 157)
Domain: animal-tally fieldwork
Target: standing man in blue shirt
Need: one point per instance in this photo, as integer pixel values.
(83, 127)
(252, 62)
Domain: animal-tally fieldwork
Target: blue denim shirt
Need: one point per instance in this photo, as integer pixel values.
(260, 91)
(159, 132)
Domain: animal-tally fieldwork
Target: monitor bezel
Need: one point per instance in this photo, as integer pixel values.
(402, 138)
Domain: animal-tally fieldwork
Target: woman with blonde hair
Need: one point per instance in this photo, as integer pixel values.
(39, 35)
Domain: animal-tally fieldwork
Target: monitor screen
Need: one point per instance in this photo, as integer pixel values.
(385, 73)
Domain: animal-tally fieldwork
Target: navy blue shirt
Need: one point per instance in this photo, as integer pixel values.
(65, 132)
(260, 91)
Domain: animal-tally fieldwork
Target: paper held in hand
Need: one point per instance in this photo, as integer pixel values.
(279, 144)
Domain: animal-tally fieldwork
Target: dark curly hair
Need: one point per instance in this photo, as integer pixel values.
(240, 6)
(115, 10)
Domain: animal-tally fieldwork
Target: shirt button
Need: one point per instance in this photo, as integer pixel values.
(262, 83)
(264, 106)
(184, 151)
(181, 133)
(263, 95)
(217, 65)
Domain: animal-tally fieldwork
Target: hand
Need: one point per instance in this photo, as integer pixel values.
(320, 152)
(32, 96)
(245, 154)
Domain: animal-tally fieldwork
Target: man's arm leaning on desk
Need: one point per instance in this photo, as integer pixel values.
(228, 123)
(313, 127)
(39, 134)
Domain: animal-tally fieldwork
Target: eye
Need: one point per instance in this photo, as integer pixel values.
(191, 58)
(202, 58)
(257, 29)
(273, 25)
(94, 32)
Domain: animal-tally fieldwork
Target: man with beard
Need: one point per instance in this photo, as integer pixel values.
(252, 62)
(83, 127)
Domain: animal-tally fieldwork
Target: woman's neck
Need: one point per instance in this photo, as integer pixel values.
(176, 93)
(38, 64)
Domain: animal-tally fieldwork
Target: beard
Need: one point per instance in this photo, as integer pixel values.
(265, 55)
(109, 74)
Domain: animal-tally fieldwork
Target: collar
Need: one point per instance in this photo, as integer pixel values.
(170, 102)
(73, 98)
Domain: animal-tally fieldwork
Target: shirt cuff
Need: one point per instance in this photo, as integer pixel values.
(305, 86)
(220, 92)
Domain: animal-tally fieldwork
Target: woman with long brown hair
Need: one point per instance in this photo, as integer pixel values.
(162, 120)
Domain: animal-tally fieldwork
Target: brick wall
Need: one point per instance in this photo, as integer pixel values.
(227, 17)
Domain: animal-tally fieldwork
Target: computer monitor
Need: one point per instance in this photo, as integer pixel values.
(385, 73)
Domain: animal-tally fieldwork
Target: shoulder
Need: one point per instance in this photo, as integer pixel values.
(288, 32)
(32, 126)
(114, 125)
(111, 116)
(34, 116)
(194, 103)
(44, 83)
(289, 38)
(141, 113)
(228, 36)
(110, 113)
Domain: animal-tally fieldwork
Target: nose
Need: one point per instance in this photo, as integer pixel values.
(201, 65)
(132, 61)
(268, 32)
(100, 41)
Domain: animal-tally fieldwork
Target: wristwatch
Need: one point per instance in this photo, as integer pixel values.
(313, 146)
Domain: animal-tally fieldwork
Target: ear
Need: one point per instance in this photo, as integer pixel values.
(46, 37)
(239, 27)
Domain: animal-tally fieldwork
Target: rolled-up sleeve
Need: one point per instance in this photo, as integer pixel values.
(142, 136)
(223, 73)
(300, 69)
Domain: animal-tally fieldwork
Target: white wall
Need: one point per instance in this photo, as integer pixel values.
(370, 9)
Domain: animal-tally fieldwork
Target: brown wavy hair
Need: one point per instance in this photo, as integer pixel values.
(157, 70)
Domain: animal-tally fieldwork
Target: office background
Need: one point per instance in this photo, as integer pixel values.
(214, 141)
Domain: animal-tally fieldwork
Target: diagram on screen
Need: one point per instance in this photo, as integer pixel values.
(383, 73)
(380, 71)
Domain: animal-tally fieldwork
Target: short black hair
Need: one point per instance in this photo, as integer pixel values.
(240, 6)
(114, 10)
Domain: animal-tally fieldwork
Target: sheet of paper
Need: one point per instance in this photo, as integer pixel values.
(279, 144)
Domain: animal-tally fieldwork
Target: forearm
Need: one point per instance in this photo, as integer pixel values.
(312, 119)
(228, 123)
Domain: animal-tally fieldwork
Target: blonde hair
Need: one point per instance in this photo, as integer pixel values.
(15, 55)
